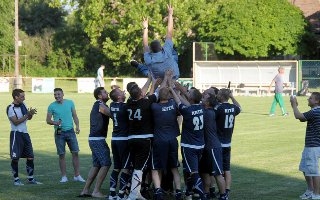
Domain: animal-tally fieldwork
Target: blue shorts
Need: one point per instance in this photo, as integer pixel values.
(309, 163)
(20, 145)
(100, 153)
(66, 137)
(121, 155)
(211, 161)
(165, 154)
(226, 157)
(190, 159)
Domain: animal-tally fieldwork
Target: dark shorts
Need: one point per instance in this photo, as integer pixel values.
(165, 154)
(211, 161)
(20, 145)
(226, 157)
(140, 150)
(120, 153)
(100, 153)
(190, 159)
(66, 137)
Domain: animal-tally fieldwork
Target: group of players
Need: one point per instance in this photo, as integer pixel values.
(145, 131)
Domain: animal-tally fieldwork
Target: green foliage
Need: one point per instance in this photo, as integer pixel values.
(36, 16)
(7, 28)
(256, 29)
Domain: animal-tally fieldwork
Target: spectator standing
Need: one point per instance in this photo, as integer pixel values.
(20, 142)
(279, 81)
(309, 163)
(100, 77)
(62, 113)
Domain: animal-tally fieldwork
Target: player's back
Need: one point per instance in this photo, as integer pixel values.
(225, 119)
(119, 118)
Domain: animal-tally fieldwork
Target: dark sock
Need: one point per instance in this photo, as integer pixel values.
(30, 169)
(124, 178)
(113, 181)
(14, 168)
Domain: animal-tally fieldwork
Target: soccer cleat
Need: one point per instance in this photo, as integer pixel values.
(79, 178)
(306, 195)
(33, 181)
(134, 63)
(17, 182)
(64, 179)
(315, 196)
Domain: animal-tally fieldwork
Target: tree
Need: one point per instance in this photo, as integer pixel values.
(253, 29)
(6, 24)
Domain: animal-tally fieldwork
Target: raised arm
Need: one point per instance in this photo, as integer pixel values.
(296, 112)
(170, 22)
(145, 35)
(146, 85)
(234, 101)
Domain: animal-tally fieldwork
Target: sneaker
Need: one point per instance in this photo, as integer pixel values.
(188, 197)
(285, 114)
(64, 179)
(79, 178)
(33, 181)
(112, 197)
(306, 195)
(17, 183)
(315, 196)
(271, 115)
(134, 63)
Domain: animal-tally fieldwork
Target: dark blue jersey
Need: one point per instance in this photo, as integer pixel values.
(313, 127)
(210, 130)
(120, 121)
(165, 120)
(225, 117)
(98, 121)
(140, 117)
(192, 135)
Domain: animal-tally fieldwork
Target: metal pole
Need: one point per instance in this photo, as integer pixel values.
(17, 79)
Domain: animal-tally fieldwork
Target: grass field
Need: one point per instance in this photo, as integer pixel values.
(265, 151)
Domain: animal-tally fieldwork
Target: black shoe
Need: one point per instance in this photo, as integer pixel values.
(134, 63)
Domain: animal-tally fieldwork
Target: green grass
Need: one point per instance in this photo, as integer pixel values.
(266, 151)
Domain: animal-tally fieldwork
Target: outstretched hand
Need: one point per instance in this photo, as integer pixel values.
(145, 22)
(170, 9)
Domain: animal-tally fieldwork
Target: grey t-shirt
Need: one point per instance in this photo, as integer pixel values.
(279, 80)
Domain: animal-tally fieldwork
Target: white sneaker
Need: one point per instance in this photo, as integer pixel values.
(17, 183)
(64, 179)
(79, 178)
(315, 196)
(306, 195)
(113, 197)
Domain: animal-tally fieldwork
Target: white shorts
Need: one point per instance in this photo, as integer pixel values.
(309, 163)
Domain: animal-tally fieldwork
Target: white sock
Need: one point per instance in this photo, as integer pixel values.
(135, 184)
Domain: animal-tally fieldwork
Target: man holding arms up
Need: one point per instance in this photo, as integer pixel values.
(309, 163)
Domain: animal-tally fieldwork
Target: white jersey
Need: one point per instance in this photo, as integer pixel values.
(13, 110)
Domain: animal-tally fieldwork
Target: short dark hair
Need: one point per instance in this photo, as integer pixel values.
(135, 92)
(130, 85)
(114, 94)
(57, 89)
(155, 46)
(316, 95)
(97, 92)
(196, 95)
(16, 92)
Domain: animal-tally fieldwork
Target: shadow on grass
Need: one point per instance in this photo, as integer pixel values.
(247, 183)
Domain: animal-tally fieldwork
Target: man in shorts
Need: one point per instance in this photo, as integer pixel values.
(20, 142)
(309, 164)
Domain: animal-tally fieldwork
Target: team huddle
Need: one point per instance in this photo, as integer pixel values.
(144, 138)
